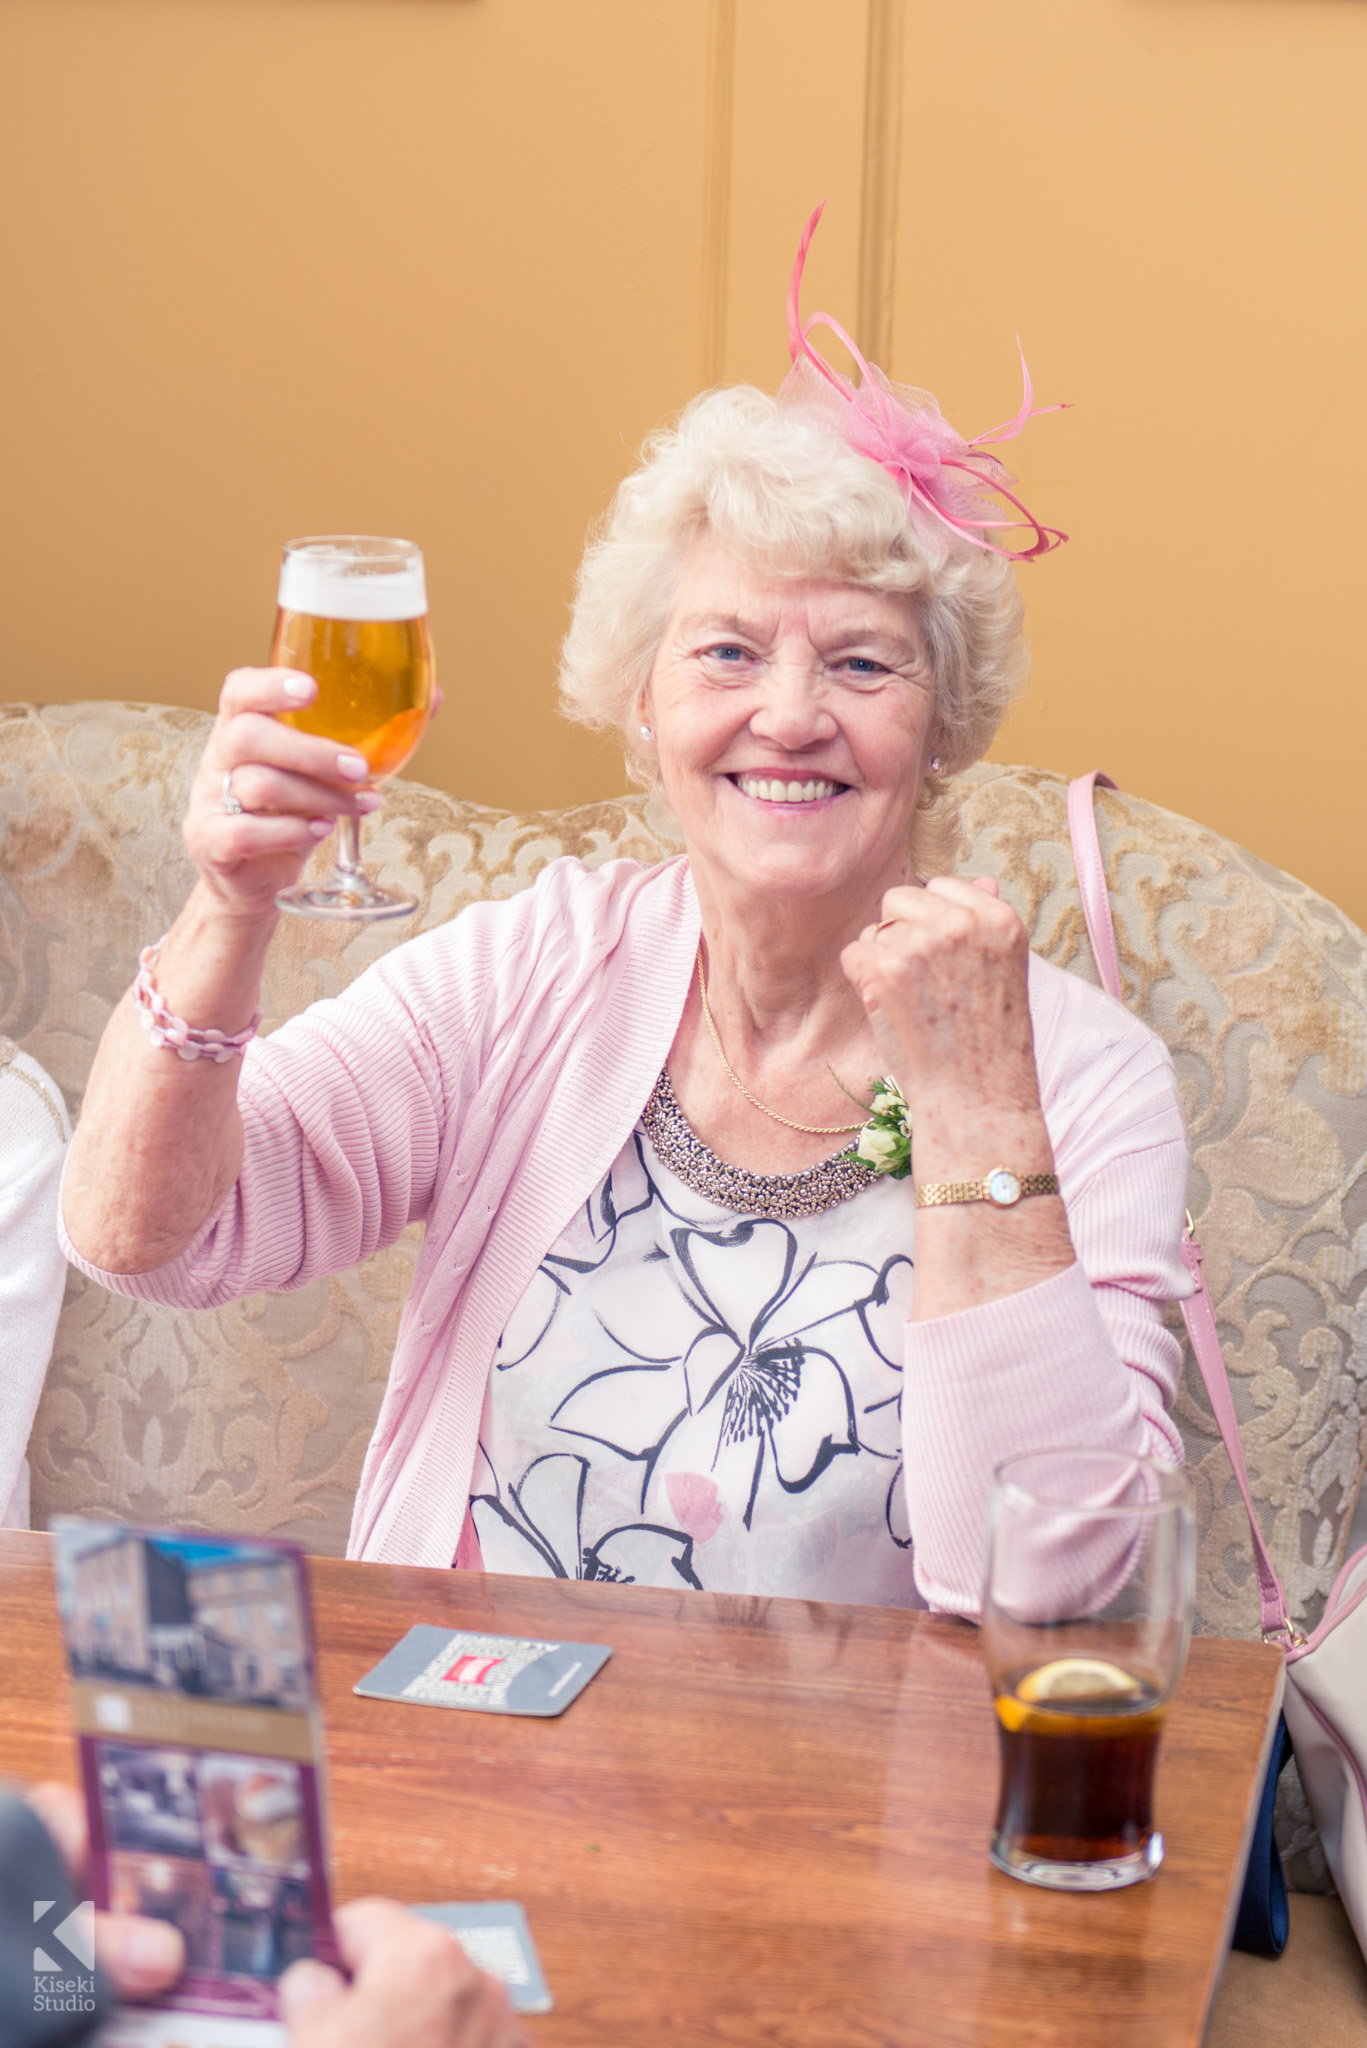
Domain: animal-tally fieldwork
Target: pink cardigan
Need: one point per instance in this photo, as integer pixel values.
(483, 1077)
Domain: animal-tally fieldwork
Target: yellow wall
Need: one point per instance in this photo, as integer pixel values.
(434, 266)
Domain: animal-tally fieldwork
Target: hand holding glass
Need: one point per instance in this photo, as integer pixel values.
(353, 615)
(1086, 1620)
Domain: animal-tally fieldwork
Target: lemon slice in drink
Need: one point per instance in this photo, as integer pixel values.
(1078, 1678)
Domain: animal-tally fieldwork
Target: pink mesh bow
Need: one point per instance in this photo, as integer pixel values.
(953, 481)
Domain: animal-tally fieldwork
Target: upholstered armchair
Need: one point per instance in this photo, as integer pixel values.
(255, 1417)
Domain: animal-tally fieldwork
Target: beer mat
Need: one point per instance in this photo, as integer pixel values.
(150, 2026)
(495, 1935)
(483, 1674)
(192, 1689)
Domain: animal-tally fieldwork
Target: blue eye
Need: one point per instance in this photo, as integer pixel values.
(728, 651)
(863, 666)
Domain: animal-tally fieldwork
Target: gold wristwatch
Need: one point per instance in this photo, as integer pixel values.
(1001, 1187)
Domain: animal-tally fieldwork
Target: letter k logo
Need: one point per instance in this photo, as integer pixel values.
(76, 1934)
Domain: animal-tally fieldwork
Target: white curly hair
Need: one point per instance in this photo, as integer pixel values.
(786, 495)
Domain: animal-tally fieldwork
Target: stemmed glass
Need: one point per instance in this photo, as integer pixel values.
(352, 613)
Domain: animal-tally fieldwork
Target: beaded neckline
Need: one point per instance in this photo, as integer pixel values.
(817, 1188)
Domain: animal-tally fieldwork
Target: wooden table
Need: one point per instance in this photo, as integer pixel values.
(764, 1824)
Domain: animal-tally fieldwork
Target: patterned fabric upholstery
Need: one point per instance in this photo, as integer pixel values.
(255, 1417)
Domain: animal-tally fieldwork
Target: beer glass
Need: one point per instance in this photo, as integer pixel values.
(352, 613)
(1086, 1621)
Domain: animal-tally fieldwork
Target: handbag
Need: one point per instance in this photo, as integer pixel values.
(1325, 1702)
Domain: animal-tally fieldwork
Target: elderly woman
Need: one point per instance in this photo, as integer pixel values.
(664, 1327)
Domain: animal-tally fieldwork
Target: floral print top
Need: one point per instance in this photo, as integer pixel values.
(688, 1396)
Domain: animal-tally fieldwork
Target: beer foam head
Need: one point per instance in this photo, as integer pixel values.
(340, 578)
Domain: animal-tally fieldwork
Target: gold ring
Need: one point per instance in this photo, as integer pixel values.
(887, 923)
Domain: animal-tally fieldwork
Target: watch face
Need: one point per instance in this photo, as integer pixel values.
(1003, 1187)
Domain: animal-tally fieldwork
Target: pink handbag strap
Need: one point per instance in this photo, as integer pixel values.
(1197, 1313)
(1091, 877)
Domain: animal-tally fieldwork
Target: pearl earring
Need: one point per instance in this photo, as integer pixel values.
(646, 733)
(936, 764)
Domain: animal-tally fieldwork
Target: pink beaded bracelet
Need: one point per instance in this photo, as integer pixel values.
(163, 1027)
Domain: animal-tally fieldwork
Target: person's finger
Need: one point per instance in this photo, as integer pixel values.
(251, 737)
(228, 842)
(306, 1987)
(265, 689)
(954, 889)
(914, 917)
(364, 1926)
(989, 885)
(265, 790)
(139, 1957)
(949, 906)
(918, 901)
(438, 699)
(61, 1809)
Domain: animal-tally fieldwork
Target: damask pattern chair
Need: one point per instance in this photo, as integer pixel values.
(255, 1417)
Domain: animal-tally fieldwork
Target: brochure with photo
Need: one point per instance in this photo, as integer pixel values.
(192, 1683)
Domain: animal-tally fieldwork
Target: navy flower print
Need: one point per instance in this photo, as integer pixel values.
(680, 1390)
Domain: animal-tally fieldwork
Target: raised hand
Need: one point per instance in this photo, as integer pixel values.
(292, 787)
(944, 983)
(944, 980)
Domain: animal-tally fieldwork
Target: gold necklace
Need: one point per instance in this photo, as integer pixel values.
(812, 1130)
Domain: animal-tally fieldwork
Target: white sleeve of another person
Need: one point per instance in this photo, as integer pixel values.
(33, 1137)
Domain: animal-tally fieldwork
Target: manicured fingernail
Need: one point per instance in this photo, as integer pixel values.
(368, 799)
(300, 689)
(151, 1948)
(355, 767)
(319, 828)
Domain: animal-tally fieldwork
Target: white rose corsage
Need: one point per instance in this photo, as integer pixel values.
(884, 1144)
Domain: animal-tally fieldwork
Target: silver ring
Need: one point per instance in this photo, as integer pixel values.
(230, 802)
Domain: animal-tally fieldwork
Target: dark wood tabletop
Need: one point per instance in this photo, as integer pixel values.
(764, 1824)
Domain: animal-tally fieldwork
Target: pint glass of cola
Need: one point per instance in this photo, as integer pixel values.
(352, 613)
(1086, 1621)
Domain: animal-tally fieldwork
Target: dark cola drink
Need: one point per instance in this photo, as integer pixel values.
(1087, 1609)
(1079, 1742)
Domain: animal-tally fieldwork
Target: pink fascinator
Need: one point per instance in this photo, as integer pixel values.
(944, 479)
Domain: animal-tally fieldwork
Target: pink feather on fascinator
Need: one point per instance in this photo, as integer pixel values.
(943, 478)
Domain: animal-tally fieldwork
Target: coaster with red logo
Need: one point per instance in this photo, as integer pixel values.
(484, 1674)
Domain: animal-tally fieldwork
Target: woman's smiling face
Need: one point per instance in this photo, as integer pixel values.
(793, 719)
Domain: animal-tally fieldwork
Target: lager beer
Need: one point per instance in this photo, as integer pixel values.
(364, 640)
(352, 613)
